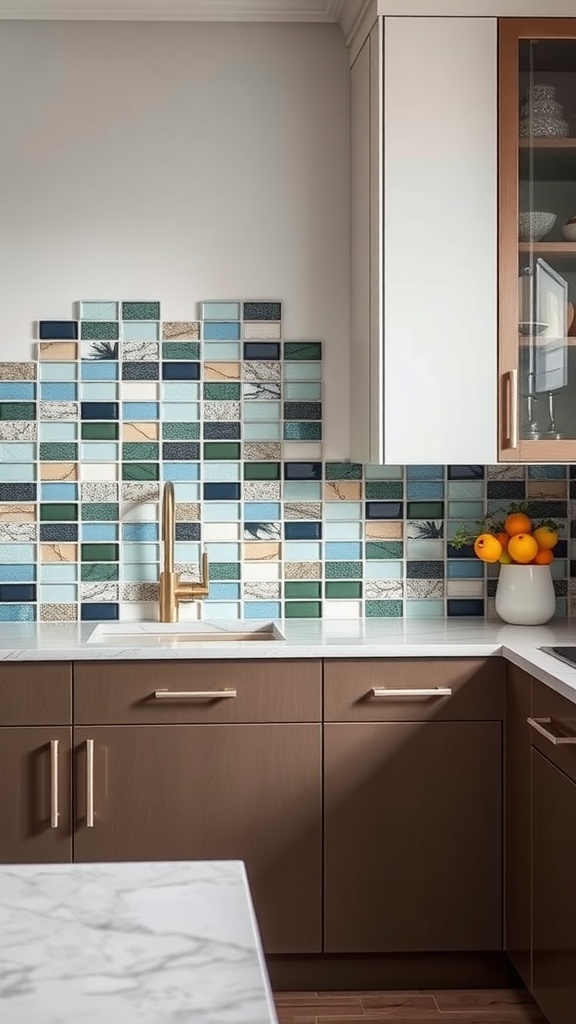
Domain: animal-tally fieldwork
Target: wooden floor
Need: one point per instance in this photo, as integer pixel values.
(486, 1006)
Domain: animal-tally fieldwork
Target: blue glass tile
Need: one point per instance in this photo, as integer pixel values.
(466, 490)
(335, 511)
(302, 531)
(99, 310)
(94, 612)
(19, 391)
(384, 510)
(221, 472)
(262, 431)
(62, 593)
(224, 592)
(422, 609)
(51, 392)
(58, 573)
(221, 492)
(424, 472)
(305, 392)
(17, 472)
(139, 573)
(302, 470)
(181, 371)
(187, 392)
(546, 472)
(180, 412)
(99, 532)
(140, 531)
(296, 490)
(227, 512)
(99, 451)
(301, 551)
(187, 492)
(57, 330)
(17, 613)
(15, 451)
(58, 492)
(99, 410)
(180, 471)
(299, 371)
(262, 610)
(58, 371)
(134, 411)
(259, 411)
(464, 570)
(221, 330)
(383, 570)
(465, 606)
(221, 350)
(261, 351)
(141, 330)
(17, 573)
(221, 552)
(18, 492)
(343, 531)
(17, 592)
(220, 310)
(58, 431)
(465, 509)
(419, 489)
(99, 369)
(344, 550)
(99, 391)
(228, 610)
(260, 511)
(464, 552)
(139, 551)
(465, 472)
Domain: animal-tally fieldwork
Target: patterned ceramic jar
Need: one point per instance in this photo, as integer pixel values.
(543, 108)
(542, 92)
(554, 127)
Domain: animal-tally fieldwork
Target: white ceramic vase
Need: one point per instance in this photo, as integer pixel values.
(525, 594)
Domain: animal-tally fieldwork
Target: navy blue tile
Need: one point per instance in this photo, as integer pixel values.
(302, 470)
(57, 330)
(99, 410)
(140, 371)
(261, 350)
(467, 551)
(17, 592)
(573, 567)
(187, 531)
(573, 471)
(302, 531)
(573, 488)
(61, 532)
(384, 510)
(221, 492)
(465, 472)
(561, 549)
(424, 569)
(302, 410)
(180, 450)
(262, 310)
(98, 610)
(181, 371)
(465, 606)
(225, 431)
(17, 492)
(513, 490)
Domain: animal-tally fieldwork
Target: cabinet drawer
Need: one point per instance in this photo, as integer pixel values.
(37, 693)
(356, 690)
(125, 693)
(547, 704)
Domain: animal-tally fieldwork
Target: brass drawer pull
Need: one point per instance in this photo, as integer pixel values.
(54, 813)
(558, 740)
(89, 783)
(193, 694)
(433, 691)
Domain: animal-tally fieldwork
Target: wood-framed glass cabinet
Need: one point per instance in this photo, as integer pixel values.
(537, 239)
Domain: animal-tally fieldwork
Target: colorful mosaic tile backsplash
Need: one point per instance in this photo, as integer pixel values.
(120, 400)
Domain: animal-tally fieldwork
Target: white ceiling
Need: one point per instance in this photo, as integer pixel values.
(182, 10)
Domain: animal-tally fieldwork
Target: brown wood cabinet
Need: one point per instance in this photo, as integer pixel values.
(518, 829)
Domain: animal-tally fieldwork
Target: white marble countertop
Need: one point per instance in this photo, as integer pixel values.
(146, 943)
(351, 638)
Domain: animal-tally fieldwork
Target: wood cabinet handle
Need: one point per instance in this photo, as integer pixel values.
(54, 813)
(193, 694)
(510, 380)
(558, 739)
(433, 691)
(89, 783)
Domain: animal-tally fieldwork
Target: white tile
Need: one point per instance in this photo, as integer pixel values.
(261, 571)
(140, 391)
(139, 612)
(220, 531)
(302, 451)
(465, 588)
(342, 609)
(190, 611)
(98, 470)
(134, 512)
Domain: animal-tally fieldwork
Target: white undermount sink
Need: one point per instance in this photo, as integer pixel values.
(166, 634)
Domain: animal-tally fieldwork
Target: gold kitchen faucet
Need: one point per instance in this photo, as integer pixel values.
(172, 590)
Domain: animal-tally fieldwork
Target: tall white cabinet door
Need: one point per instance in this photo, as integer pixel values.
(440, 240)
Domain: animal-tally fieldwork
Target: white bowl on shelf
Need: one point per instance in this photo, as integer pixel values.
(535, 224)
(569, 230)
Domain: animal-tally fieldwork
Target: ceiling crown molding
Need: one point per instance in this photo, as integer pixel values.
(323, 11)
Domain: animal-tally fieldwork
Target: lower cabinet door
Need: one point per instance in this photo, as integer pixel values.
(35, 795)
(212, 792)
(413, 837)
(554, 891)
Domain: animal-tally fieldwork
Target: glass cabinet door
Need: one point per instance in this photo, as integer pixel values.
(538, 240)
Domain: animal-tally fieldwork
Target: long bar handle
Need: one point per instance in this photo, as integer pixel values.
(54, 812)
(512, 409)
(89, 783)
(194, 694)
(538, 724)
(433, 691)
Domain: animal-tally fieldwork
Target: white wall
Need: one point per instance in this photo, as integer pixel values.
(180, 162)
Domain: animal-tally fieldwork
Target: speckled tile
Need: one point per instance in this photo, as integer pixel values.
(297, 510)
(263, 330)
(254, 371)
(262, 451)
(18, 430)
(141, 491)
(18, 371)
(302, 570)
(181, 330)
(58, 410)
(187, 511)
(133, 371)
(58, 612)
(221, 410)
(262, 590)
(424, 588)
(146, 592)
(261, 490)
(137, 310)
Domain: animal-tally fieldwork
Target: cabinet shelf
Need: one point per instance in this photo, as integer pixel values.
(561, 253)
(554, 158)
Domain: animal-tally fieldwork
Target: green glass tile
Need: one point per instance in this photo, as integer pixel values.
(140, 471)
(343, 471)
(384, 472)
(303, 588)
(99, 431)
(303, 609)
(425, 510)
(59, 513)
(145, 450)
(181, 431)
(384, 549)
(140, 310)
(381, 490)
(384, 609)
(99, 552)
(349, 589)
(262, 471)
(100, 511)
(296, 431)
(343, 570)
(224, 571)
(17, 410)
(221, 450)
(99, 330)
(58, 451)
(181, 350)
(222, 392)
(300, 351)
(98, 572)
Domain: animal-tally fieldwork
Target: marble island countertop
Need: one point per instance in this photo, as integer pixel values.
(364, 638)
(132, 943)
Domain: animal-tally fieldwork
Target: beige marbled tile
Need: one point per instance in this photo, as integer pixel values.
(140, 431)
(547, 489)
(343, 490)
(187, 512)
(59, 552)
(222, 371)
(58, 612)
(57, 351)
(390, 530)
(17, 513)
(262, 451)
(18, 371)
(262, 330)
(262, 590)
(258, 551)
(58, 471)
(302, 570)
(303, 510)
(181, 330)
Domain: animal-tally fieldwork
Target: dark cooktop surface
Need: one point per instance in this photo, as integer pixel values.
(566, 654)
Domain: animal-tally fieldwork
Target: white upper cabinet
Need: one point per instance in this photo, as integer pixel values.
(424, 255)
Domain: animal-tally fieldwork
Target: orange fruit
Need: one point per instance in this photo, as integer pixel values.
(487, 547)
(503, 537)
(505, 558)
(543, 557)
(516, 523)
(546, 538)
(523, 548)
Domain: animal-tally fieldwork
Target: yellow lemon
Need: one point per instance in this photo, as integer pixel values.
(505, 558)
(523, 548)
(488, 548)
(546, 538)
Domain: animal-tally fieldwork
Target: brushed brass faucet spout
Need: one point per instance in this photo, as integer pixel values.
(172, 590)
